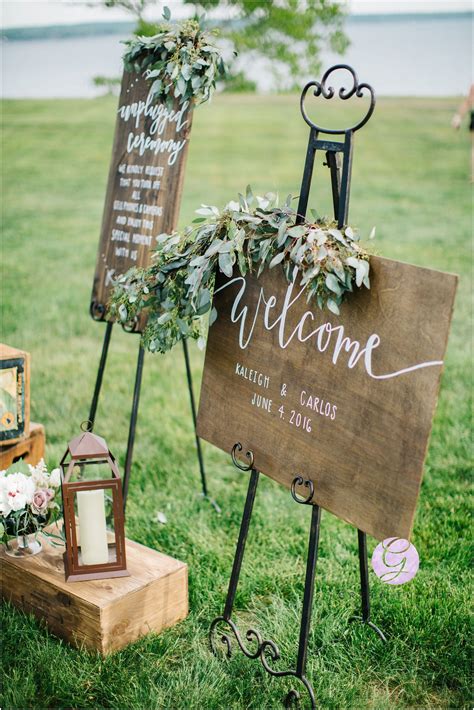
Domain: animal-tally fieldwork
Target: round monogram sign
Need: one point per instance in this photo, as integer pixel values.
(395, 560)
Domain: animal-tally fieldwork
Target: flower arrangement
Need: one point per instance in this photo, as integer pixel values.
(180, 58)
(28, 499)
(252, 234)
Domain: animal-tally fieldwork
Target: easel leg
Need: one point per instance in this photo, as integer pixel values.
(239, 553)
(100, 375)
(133, 424)
(364, 586)
(334, 164)
(293, 695)
(194, 416)
(266, 650)
(364, 576)
(308, 589)
(236, 567)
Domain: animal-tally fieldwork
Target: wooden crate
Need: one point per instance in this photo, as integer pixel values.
(103, 615)
(14, 394)
(31, 449)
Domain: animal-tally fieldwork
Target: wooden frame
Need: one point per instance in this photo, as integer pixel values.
(18, 361)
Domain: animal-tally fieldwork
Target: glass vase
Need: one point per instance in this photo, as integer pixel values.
(24, 546)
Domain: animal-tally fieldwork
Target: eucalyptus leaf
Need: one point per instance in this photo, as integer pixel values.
(214, 247)
(123, 313)
(297, 231)
(186, 71)
(249, 195)
(333, 283)
(277, 259)
(332, 305)
(362, 271)
(352, 261)
(225, 264)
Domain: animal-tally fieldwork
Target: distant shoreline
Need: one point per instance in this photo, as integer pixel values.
(91, 29)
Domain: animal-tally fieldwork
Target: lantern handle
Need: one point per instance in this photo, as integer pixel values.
(86, 425)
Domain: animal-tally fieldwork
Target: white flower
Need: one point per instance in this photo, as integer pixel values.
(55, 478)
(39, 474)
(16, 492)
(4, 507)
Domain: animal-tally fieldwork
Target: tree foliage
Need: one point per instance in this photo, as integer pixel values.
(289, 33)
(136, 7)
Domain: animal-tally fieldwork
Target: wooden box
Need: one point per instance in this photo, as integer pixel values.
(14, 394)
(30, 449)
(103, 615)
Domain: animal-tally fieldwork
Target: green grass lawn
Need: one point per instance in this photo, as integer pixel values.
(411, 180)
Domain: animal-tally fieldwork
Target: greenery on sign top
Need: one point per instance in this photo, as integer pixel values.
(251, 234)
(180, 60)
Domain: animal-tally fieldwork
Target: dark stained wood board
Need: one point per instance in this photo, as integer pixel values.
(145, 182)
(369, 427)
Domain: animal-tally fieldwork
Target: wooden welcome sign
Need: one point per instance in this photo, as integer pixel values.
(346, 402)
(145, 183)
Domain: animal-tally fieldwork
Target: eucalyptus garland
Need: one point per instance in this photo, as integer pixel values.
(180, 59)
(250, 235)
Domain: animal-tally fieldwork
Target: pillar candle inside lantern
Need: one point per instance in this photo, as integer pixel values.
(93, 532)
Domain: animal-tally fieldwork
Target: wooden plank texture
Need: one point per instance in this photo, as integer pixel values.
(282, 378)
(103, 615)
(29, 449)
(145, 182)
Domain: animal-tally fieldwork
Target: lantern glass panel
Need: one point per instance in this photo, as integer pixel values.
(94, 526)
(91, 470)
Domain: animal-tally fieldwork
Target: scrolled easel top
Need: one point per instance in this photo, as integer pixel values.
(328, 92)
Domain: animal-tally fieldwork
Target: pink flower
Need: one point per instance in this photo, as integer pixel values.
(40, 502)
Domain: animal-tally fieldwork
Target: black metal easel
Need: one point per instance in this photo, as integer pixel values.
(266, 650)
(97, 312)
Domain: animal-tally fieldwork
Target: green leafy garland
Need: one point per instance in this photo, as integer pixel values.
(181, 60)
(252, 234)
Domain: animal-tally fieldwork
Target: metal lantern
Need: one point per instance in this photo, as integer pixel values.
(93, 511)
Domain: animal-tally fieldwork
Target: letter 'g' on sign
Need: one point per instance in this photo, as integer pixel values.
(395, 561)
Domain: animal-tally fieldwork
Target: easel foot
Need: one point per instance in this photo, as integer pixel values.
(210, 500)
(293, 697)
(369, 623)
(265, 650)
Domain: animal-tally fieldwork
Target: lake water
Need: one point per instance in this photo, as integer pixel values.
(409, 56)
